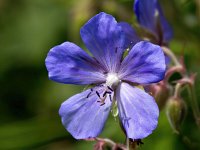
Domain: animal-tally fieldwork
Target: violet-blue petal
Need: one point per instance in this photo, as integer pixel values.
(68, 63)
(138, 111)
(145, 13)
(83, 116)
(105, 40)
(144, 64)
(167, 60)
(149, 15)
(166, 28)
(131, 37)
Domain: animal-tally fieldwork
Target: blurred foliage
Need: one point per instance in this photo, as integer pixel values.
(29, 102)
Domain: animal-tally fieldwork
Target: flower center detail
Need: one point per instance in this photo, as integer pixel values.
(112, 80)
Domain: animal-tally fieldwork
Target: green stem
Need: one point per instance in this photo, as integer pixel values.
(177, 90)
(107, 141)
(127, 143)
(169, 53)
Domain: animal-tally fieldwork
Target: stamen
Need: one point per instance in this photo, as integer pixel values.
(102, 104)
(106, 92)
(98, 94)
(110, 88)
(91, 90)
(110, 97)
(102, 101)
(100, 85)
(88, 94)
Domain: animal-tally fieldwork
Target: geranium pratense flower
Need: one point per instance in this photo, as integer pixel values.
(84, 114)
(149, 14)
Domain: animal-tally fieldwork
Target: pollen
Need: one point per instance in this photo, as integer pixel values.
(112, 80)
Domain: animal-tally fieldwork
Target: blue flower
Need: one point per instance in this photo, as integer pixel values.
(115, 80)
(149, 14)
(130, 35)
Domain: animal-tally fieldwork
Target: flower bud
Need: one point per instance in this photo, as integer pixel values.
(160, 92)
(175, 110)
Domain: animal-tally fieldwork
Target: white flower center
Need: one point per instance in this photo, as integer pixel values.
(112, 80)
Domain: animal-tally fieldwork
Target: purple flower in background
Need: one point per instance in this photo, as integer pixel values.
(131, 37)
(149, 14)
(84, 114)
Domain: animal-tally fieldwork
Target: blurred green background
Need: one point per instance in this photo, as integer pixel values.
(29, 102)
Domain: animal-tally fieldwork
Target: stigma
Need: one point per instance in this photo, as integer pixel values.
(112, 80)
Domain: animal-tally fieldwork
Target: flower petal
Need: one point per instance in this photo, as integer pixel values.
(138, 111)
(144, 64)
(83, 116)
(131, 37)
(166, 28)
(104, 38)
(149, 15)
(68, 63)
